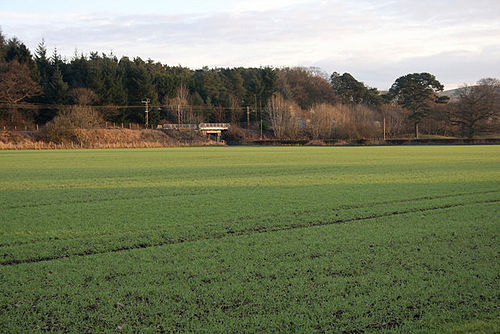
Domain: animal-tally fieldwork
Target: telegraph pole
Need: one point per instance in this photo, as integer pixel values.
(146, 102)
(261, 127)
(384, 128)
(178, 116)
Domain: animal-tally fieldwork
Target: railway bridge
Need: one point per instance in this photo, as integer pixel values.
(205, 128)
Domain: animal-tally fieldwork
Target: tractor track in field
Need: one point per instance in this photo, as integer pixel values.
(367, 205)
(197, 193)
(267, 216)
(255, 230)
(86, 201)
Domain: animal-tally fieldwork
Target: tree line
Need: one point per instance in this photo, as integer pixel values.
(292, 102)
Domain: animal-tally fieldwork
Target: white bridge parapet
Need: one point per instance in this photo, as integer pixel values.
(213, 126)
(200, 127)
(208, 129)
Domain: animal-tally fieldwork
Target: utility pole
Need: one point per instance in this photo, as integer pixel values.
(260, 124)
(261, 127)
(384, 128)
(248, 117)
(146, 101)
(178, 116)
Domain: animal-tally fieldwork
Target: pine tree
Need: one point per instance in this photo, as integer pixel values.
(16, 50)
(3, 46)
(42, 64)
(57, 89)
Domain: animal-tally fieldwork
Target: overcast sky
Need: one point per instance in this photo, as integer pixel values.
(375, 40)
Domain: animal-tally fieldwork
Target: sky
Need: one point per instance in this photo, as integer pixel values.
(376, 41)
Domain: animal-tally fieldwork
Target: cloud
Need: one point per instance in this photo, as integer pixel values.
(374, 40)
(452, 68)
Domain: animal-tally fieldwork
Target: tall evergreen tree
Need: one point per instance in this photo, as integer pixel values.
(42, 64)
(138, 82)
(417, 92)
(269, 79)
(16, 50)
(78, 72)
(56, 59)
(57, 89)
(3, 46)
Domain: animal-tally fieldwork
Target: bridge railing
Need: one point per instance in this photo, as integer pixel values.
(216, 126)
(201, 126)
(180, 126)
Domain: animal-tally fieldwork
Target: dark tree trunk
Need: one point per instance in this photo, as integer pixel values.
(471, 132)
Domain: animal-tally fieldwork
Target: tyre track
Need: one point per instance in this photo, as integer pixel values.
(246, 218)
(196, 193)
(255, 230)
(85, 201)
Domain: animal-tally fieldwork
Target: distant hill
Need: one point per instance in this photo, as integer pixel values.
(453, 93)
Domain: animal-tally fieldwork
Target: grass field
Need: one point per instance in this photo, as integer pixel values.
(225, 239)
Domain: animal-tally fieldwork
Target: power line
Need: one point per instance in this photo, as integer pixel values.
(162, 106)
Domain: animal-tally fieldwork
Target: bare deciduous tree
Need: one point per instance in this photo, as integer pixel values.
(342, 121)
(16, 83)
(180, 103)
(322, 121)
(84, 96)
(306, 86)
(284, 117)
(476, 105)
(236, 112)
(395, 119)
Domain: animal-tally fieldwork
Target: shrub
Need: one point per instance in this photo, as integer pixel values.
(234, 135)
(63, 127)
(343, 121)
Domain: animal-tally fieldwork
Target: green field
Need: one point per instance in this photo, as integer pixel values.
(256, 239)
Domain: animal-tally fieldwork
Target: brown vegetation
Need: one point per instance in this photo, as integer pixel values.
(344, 122)
(103, 138)
(284, 117)
(16, 82)
(306, 86)
(83, 96)
(63, 128)
(80, 127)
(477, 107)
